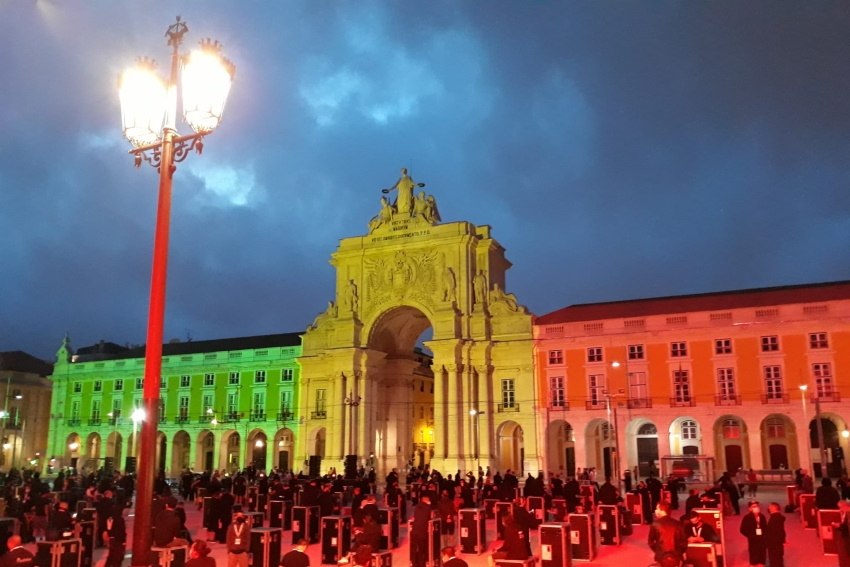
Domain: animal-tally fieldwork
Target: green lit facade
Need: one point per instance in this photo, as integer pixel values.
(225, 404)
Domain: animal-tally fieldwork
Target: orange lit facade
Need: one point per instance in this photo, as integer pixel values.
(714, 375)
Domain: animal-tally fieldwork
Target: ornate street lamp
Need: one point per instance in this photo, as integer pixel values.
(149, 119)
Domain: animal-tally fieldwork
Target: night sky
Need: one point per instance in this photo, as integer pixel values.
(618, 149)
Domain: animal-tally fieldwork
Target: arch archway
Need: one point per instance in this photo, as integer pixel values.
(509, 448)
(685, 436)
(284, 442)
(257, 448)
(731, 441)
(205, 447)
(92, 450)
(114, 446)
(779, 442)
(600, 446)
(831, 426)
(180, 452)
(161, 451)
(230, 451)
(73, 448)
(643, 450)
(560, 443)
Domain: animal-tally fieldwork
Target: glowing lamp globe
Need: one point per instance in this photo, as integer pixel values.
(206, 81)
(143, 96)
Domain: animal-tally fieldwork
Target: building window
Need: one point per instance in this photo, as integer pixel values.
(285, 401)
(258, 405)
(638, 389)
(681, 386)
(164, 383)
(161, 412)
(678, 349)
(75, 410)
(321, 402)
(594, 354)
(773, 382)
(95, 410)
(556, 389)
(508, 393)
(116, 409)
(286, 374)
(636, 352)
(119, 385)
(183, 408)
(596, 389)
(78, 387)
(207, 406)
(731, 429)
(818, 340)
(775, 428)
(259, 377)
(689, 430)
(822, 371)
(770, 343)
(209, 379)
(726, 383)
(556, 357)
(140, 383)
(605, 431)
(98, 386)
(233, 405)
(233, 378)
(722, 346)
(185, 380)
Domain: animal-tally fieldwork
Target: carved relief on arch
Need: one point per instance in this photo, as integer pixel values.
(400, 276)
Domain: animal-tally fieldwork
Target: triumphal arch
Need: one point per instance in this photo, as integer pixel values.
(363, 378)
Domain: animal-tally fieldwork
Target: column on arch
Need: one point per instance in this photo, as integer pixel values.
(440, 422)
(455, 412)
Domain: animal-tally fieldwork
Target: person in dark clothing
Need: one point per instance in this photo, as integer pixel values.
(516, 545)
(17, 556)
(297, 556)
(841, 529)
(326, 501)
(646, 502)
(666, 535)
(450, 559)
(199, 555)
(166, 525)
(224, 502)
(115, 537)
(419, 530)
(826, 497)
(368, 534)
(698, 531)
(753, 526)
(693, 501)
(60, 524)
(608, 493)
(774, 535)
(181, 514)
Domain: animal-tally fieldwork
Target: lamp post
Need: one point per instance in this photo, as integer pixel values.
(149, 116)
(612, 408)
(475, 414)
(803, 389)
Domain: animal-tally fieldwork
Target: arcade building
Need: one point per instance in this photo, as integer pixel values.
(423, 357)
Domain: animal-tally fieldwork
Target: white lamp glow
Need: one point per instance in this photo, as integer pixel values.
(206, 81)
(143, 97)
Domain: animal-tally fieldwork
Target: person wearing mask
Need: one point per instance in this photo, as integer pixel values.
(698, 531)
(17, 556)
(296, 557)
(238, 541)
(368, 534)
(666, 535)
(753, 526)
(774, 535)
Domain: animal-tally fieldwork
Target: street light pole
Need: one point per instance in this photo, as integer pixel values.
(803, 389)
(475, 414)
(149, 115)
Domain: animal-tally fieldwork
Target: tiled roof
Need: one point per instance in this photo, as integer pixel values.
(19, 361)
(716, 301)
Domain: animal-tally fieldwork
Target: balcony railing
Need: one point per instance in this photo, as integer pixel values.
(683, 402)
(181, 419)
(205, 419)
(506, 407)
(257, 416)
(727, 400)
(94, 421)
(637, 403)
(73, 422)
(827, 397)
(285, 416)
(562, 405)
(321, 414)
(233, 416)
(595, 404)
(774, 399)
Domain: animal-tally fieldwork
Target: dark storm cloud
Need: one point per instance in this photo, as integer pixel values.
(618, 151)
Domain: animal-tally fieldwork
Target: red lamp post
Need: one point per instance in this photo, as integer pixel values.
(149, 116)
